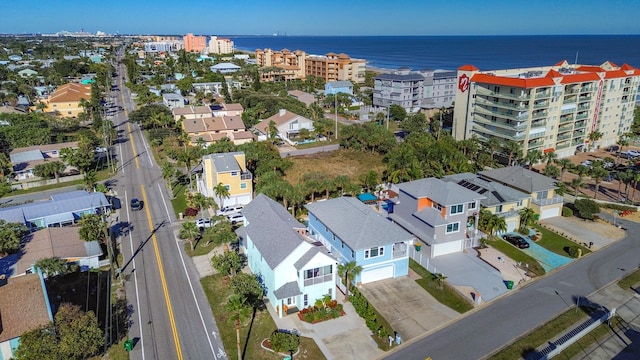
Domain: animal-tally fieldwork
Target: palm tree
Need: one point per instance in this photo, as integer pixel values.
(533, 157)
(222, 192)
(168, 173)
(597, 173)
(564, 165)
(349, 271)
(593, 137)
(90, 179)
(370, 179)
(188, 156)
(493, 145)
(552, 171)
(551, 156)
(623, 141)
(92, 228)
(202, 202)
(441, 278)
(527, 217)
(237, 307)
(514, 150)
(577, 183)
(635, 180)
(189, 230)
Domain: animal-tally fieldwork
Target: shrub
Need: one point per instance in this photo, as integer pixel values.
(284, 341)
(573, 251)
(190, 212)
(566, 212)
(619, 207)
(586, 208)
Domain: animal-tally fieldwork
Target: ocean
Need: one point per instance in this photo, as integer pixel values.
(451, 52)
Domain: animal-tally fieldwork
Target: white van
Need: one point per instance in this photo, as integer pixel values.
(229, 210)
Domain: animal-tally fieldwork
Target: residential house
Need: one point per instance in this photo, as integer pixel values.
(287, 125)
(294, 269)
(208, 130)
(302, 96)
(66, 99)
(357, 232)
(25, 306)
(191, 112)
(26, 73)
(62, 210)
(334, 87)
(25, 159)
(62, 242)
(233, 109)
(173, 101)
(229, 169)
(225, 68)
(499, 199)
(215, 87)
(443, 215)
(544, 200)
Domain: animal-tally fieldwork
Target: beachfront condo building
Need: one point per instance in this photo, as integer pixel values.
(403, 88)
(439, 88)
(550, 108)
(299, 65)
(220, 45)
(194, 43)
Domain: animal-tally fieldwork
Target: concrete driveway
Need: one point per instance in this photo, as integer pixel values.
(409, 309)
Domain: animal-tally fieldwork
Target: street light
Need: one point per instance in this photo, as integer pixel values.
(335, 98)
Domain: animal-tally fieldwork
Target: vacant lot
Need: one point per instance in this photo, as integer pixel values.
(341, 162)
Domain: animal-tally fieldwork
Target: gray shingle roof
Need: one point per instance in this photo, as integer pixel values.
(225, 162)
(520, 178)
(494, 192)
(400, 77)
(357, 224)
(271, 229)
(42, 209)
(304, 259)
(430, 216)
(442, 192)
(287, 290)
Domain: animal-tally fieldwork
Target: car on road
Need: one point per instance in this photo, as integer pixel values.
(613, 148)
(516, 241)
(630, 154)
(230, 210)
(235, 218)
(136, 204)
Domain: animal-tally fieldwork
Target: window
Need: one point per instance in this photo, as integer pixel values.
(318, 272)
(353, 254)
(456, 209)
(243, 185)
(306, 300)
(451, 228)
(330, 289)
(373, 252)
(228, 187)
(234, 173)
(519, 203)
(498, 209)
(437, 206)
(342, 244)
(471, 205)
(291, 301)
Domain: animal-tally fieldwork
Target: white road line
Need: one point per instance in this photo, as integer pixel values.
(135, 273)
(144, 142)
(121, 162)
(184, 266)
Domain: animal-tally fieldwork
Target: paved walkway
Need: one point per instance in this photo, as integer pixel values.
(344, 338)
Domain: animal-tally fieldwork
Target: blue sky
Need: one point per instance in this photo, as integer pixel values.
(328, 17)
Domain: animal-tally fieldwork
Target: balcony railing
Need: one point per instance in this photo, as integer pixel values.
(544, 202)
(246, 176)
(318, 280)
(399, 250)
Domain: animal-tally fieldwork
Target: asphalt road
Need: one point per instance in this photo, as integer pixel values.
(482, 332)
(170, 315)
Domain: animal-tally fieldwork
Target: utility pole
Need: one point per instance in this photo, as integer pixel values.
(335, 97)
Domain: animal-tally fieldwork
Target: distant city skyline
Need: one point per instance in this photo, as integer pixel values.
(331, 17)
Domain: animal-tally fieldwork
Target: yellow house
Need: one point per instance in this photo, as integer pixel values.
(544, 201)
(498, 199)
(230, 170)
(65, 100)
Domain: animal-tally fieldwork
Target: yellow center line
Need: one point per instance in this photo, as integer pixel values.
(162, 278)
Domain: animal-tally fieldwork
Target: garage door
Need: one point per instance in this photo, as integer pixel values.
(447, 248)
(549, 213)
(381, 273)
(512, 225)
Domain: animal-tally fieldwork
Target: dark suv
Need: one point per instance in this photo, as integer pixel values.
(136, 204)
(516, 241)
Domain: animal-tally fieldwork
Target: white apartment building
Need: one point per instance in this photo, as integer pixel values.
(439, 88)
(403, 88)
(549, 108)
(220, 45)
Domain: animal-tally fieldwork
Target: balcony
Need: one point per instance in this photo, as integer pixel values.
(566, 136)
(580, 125)
(501, 113)
(587, 88)
(246, 176)
(582, 116)
(566, 119)
(399, 250)
(509, 135)
(544, 94)
(506, 105)
(487, 92)
(536, 136)
(565, 127)
(318, 280)
(563, 145)
(498, 123)
(570, 100)
(539, 114)
(541, 104)
(545, 202)
(535, 143)
(573, 90)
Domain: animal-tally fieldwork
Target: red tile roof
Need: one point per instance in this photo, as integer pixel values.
(626, 66)
(552, 73)
(468, 68)
(576, 78)
(590, 68)
(561, 63)
(510, 81)
(615, 74)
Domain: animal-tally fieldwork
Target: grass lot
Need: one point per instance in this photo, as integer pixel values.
(100, 176)
(539, 336)
(252, 332)
(179, 201)
(630, 280)
(556, 242)
(334, 163)
(517, 255)
(447, 296)
(199, 248)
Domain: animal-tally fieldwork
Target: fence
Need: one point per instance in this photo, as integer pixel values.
(422, 257)
(35, 184)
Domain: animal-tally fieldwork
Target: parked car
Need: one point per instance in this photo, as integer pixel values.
(516, 241)
(136, 204)
(613, 148)
(229, 210)
(235, 218)
(203, 223)
(630, 154)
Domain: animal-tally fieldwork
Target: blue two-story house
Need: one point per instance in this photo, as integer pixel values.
(357, 232)
(294, 269)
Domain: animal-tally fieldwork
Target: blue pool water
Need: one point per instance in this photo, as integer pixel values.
(547, 259)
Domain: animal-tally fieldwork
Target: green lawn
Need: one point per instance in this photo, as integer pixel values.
(447, 296)
(556, 242)
(517, 255)
(252, 332)
(199, 248)
(630, 280)
(179, 201)
(541, 335)
(100, 176)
